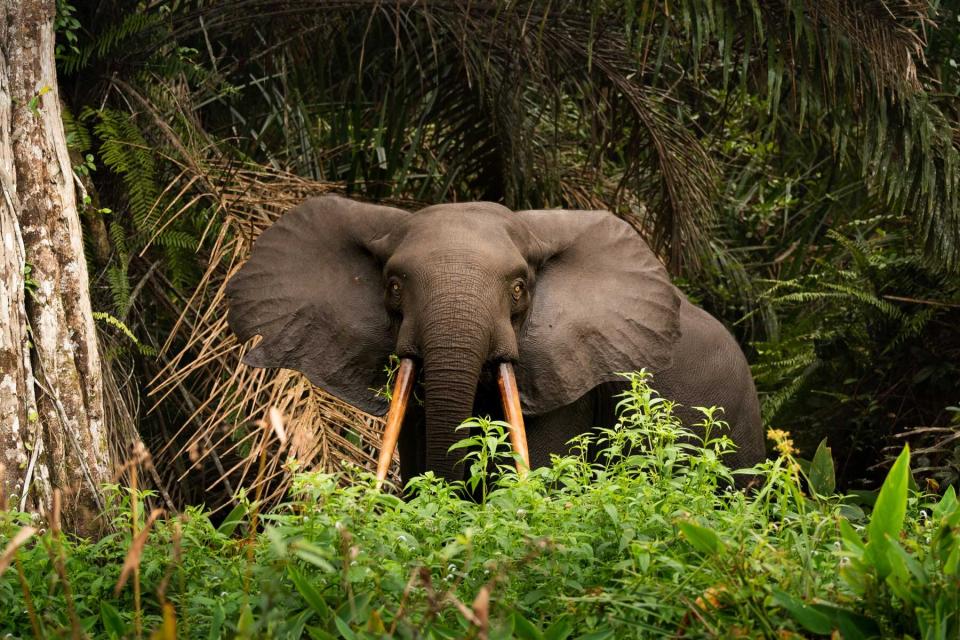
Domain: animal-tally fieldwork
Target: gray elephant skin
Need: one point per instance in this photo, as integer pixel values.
(569, 297)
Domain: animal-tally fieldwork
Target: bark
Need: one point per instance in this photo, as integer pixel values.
(21, 440)
(63, 429)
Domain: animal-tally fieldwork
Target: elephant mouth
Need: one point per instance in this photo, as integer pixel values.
(501, 373)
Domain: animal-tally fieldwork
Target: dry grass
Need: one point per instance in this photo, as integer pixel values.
(202, 356)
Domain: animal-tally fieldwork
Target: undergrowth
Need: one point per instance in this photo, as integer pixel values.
(648, 539)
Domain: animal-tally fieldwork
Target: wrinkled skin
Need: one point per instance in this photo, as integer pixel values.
(569, 297)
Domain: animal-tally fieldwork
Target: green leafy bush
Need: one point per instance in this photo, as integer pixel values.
(650, 539)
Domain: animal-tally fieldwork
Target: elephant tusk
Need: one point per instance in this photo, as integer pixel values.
(514, 416)
(406, 374)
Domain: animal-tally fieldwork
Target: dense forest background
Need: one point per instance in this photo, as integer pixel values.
(795, 163)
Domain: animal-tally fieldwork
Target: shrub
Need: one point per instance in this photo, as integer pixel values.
(649, 539)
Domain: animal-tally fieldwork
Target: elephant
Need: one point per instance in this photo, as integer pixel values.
(560, 300)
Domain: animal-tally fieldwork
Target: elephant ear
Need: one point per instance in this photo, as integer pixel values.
(602, 304)
(312, 289)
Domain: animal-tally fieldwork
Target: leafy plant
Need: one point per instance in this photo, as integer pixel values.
(646, 541)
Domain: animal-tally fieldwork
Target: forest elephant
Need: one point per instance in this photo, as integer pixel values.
(489, 309)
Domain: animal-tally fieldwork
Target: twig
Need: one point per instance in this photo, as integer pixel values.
(28, 599)
(136, 291)
(932, 303)
(28, 478)
(57, 559)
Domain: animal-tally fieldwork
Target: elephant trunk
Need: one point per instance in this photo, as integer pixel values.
(454, 352)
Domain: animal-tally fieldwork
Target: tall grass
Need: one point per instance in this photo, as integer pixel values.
(648, 539)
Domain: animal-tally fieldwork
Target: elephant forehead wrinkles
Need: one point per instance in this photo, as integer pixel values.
(455, 270)
(461, 257)
(464, 208)
(450, 224)
(464, 262)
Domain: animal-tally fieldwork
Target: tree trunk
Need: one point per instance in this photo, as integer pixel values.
(52, 431)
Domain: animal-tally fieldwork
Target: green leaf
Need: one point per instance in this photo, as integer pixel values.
(952, 562)
(906, 563)
(612, 512)
(891, 506)
(559, 630)
(702, 539)
(947, 504)
(111, 620)
(234, 518)
(316, 633)
(852, 512)
(603, 634)
(852, 625)
(823, 619)
(309, 592)
(850, 536)
(312, 554)
(344, 628)
(822, 475)
(216, 624)
(502, 630)
(297, 626)
(811, 619)
(524, 629)
(245, 621)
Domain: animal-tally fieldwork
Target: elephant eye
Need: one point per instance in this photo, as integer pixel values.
(394, 287)
(517, 290)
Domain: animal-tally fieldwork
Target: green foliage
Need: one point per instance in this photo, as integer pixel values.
(125, 151)
(29, 284)
(645, 542)
(854, 345)
(66, 26)
(117, 324)
(132, 26)
(795, 163)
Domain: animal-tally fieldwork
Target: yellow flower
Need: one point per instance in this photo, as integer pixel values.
(783, 442)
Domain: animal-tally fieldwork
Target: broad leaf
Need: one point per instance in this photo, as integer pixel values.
(811, 619)
(525, 629)
(111, 620)
(309, 592)
(702, 539)
(559, 630)
(891, 506)
(235, 517)
(822, 476)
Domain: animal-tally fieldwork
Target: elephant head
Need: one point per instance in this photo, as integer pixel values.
(570, 298)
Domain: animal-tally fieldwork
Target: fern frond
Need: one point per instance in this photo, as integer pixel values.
(773, 403)
(119, 286)
(116, 323)
(125, 151)
(132, 26)
(177, 239)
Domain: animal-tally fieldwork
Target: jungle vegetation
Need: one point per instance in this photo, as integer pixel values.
(637, 546)
(795, 164)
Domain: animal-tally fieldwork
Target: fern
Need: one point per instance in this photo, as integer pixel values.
(119, 286)
(846, 342)
(181, 266)
(124, 150)
(116, 323)
(177, 239)
(110, 38)
(77, 134)
(776, 401)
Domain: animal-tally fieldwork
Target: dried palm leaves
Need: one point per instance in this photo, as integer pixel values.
(204, 367)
